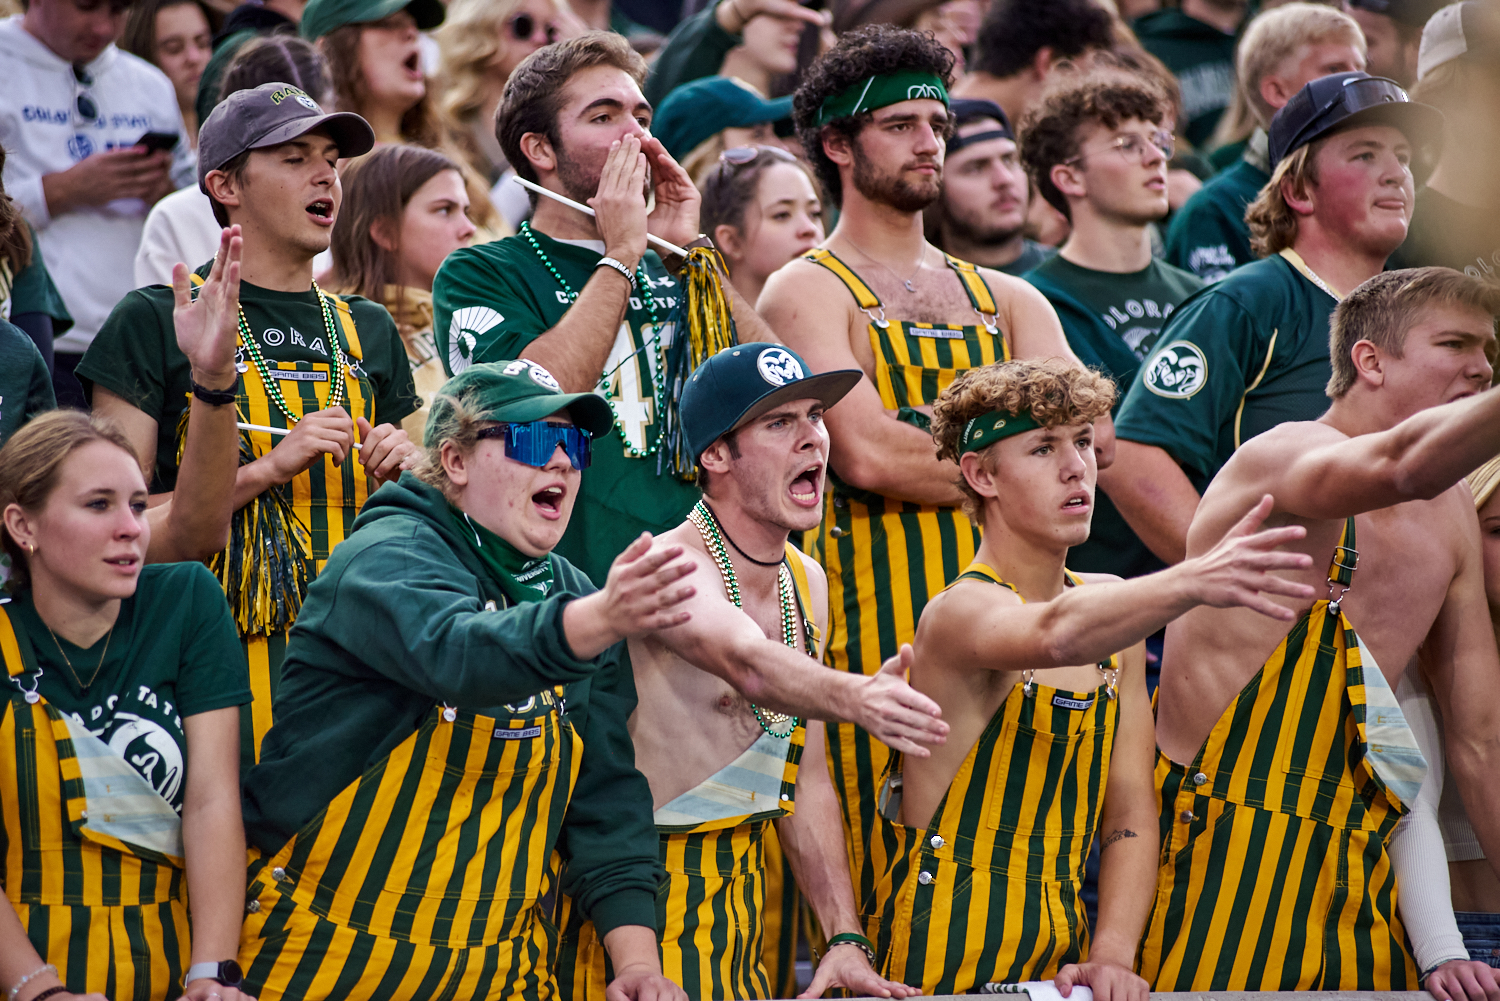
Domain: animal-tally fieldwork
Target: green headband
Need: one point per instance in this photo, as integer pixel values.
(986, 429)
(879, 91)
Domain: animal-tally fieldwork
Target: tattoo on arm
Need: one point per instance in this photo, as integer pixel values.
(1117, 835)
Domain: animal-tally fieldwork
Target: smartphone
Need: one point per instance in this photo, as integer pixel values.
(156, 142)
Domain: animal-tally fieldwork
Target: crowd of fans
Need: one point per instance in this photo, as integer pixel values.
(329, 454)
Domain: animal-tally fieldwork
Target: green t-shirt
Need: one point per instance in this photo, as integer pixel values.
(1112, 321)
(1450, 234)
(173, 653)
(492, 300)
(25, 384)
(135, 356)
(1032, 256)
(1209, 235)
(1201, 57)
(1238, 358)
(31, 290)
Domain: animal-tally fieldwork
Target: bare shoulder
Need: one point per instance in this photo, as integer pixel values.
(685, 535)
(788, 289)
(961, 602)
(816, 578)
(1268, 456)
(1004, 286)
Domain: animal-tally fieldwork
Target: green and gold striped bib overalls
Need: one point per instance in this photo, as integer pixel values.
(1274, 873)
(110, 918)
(988, 891)
(325, 498)
(423, 878)
(885, 558)
(710, 911)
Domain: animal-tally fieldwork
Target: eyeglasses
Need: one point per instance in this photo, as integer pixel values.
(87, 109)
(523, 26)
(535, 442)
(1134, 147)
(738, 156)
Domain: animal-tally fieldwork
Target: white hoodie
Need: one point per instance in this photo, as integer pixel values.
(89, 251)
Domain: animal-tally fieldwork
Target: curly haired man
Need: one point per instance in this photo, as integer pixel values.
(1040, 673)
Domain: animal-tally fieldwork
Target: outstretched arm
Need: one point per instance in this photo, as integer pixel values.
(979, 628)
(813, 838)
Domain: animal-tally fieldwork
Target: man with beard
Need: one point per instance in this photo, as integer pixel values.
(714, 730)
(980, 216)
(872, 115)
(582, 296)
(1098, 153)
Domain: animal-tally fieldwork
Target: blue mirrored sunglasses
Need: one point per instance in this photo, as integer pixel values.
(535, 442)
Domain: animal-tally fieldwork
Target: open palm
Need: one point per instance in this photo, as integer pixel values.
(206, 325)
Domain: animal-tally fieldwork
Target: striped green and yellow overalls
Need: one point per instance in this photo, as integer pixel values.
(110, 916)
(423, 878)
(885, 558)
(1274, 873)
(710, 912)
(325, 498)
(988, 891)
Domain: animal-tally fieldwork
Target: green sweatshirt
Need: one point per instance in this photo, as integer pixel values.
(696, 48)
(396, 623)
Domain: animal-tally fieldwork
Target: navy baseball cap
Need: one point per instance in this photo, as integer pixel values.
(967, 111)
(742, 382)
(269, 115)
(693, 112)
(1346, 100)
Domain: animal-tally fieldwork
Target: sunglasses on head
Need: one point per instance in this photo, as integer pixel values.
(523, 26)
(535, 442)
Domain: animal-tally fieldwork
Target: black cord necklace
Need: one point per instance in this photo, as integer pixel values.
(720, 526)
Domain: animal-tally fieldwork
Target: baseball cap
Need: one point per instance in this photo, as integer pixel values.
(697, 110)
(270, 114)
(516, 391)
(320, 17)
(1345, 100)
(742, 382)
(967, 111)
(1412, 13)
(1457, 31)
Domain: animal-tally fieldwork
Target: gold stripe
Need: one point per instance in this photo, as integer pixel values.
(862, 294)
(1240, 410)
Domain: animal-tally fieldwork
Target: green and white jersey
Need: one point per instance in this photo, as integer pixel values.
(1237, 358)
(491, 301)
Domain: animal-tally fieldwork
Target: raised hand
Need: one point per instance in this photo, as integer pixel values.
(895, 713)
(620, 203)
(1238, 570)
(675, 215)
(206, 328)
(733, 15)
(849, 968)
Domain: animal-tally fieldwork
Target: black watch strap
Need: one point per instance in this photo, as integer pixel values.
(213, 397)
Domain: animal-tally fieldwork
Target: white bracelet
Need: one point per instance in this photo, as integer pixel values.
(610, 262)
(49, 968)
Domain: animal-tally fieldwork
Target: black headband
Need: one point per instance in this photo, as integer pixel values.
(958, 142)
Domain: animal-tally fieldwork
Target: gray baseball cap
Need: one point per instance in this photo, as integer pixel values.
(269, 115)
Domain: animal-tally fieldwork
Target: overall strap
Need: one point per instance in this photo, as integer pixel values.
(812, 636)
(10, 649)
(980, 296)
(346, 323)
(986, 573)
(861, 292)
(1341, 570)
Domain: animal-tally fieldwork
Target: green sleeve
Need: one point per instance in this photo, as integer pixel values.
(696, 48)
(482, 311)
(39, 397)
(213, 673)
(390, 369)
(608, 836)
(35, 292)
(1186, 394)
(128, 355)
(401, 607)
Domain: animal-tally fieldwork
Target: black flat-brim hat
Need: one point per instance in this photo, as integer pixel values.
(1348, 100)
(742, 382)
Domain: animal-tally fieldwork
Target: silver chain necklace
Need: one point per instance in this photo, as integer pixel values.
(905, 281)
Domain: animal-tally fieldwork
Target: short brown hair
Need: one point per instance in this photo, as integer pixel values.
(1055, 392)
(1384, 308)
(1273, 224)
(534, 93)
(1049, 132)
(32, 460)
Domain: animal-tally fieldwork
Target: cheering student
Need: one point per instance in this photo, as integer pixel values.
(118, 739)
(453, 720)
(1045, 682)
(325, 368)
(1283, 763)
(877, 296)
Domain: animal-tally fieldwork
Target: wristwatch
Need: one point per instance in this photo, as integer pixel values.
(227, 973)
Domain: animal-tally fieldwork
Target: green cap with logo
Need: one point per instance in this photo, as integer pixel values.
(322, 16)
(515, 392)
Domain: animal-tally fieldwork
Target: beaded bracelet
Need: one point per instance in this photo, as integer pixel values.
(16, 989)
(59, 989)
(850, 938)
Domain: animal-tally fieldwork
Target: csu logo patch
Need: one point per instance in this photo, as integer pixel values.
(778, 367)
(1177, 371)
(539, 375)
(918, 90)
(463, 333)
